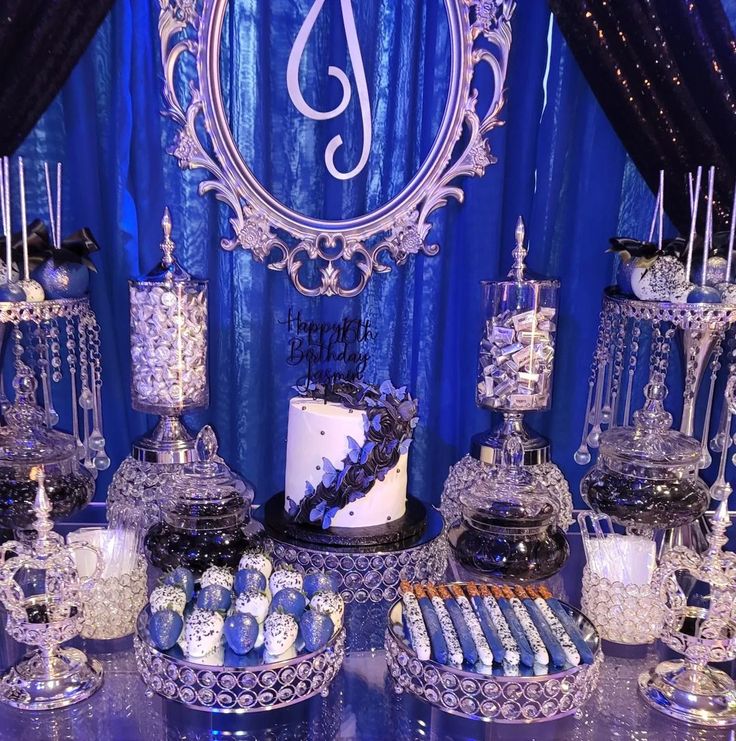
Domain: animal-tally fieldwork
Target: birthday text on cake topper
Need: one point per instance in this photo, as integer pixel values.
(328, 351)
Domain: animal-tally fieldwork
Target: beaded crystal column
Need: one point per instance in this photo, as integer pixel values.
(168, 348)
(516, 358)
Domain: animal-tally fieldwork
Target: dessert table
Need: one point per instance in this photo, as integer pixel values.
(361, 703)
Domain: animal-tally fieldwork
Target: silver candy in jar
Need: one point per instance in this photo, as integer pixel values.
(168, 336)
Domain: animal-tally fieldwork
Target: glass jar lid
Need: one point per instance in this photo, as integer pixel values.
(650, 443)
(206, 494)
(169, 270)
(511, 496)
(26, 440)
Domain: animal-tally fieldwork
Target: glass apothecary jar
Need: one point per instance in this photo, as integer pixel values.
(168, 337)
(509, 525)
(205, 508)
(27, 447)
(646, 476)
(517, 346)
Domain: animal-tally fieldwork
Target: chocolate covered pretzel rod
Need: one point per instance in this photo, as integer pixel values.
(485, 654)
(486, 623)
(541, 656)
(561, 613)
(548, 636)
(454, 649)
(511, 649)
(470, 652)
(571, 654)
(415, 621)
(434, 629)
(526, 654)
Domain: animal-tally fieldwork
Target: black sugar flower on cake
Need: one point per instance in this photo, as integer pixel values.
(390, 419)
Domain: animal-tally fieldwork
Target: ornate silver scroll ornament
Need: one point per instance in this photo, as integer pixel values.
(480, 34)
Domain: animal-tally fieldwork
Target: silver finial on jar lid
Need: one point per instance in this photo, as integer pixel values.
(167, 246)
(519, 252)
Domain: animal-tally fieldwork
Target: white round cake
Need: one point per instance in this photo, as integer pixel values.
(321, 430)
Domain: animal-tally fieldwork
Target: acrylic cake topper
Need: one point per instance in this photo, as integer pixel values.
(280, 222)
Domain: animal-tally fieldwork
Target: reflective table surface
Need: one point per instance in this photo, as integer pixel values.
(361, 704)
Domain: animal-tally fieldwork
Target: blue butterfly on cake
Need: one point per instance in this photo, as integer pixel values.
(689, 269)
(346, 456)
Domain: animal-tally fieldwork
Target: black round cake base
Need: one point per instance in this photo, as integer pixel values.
(408, 527)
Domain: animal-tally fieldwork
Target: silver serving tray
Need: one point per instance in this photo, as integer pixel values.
(492, 697)
(226, 689)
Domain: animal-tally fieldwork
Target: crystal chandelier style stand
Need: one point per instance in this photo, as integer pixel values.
(515, 364)
(689, 689)
(168, 349)
(51, 676)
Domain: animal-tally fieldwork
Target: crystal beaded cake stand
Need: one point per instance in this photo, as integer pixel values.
(369, 577)
(497, 698)
(226, 689)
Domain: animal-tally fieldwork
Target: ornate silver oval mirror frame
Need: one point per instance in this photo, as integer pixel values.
(480, 33)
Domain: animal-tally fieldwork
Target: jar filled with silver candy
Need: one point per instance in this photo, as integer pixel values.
(168, 336)
(517, 346)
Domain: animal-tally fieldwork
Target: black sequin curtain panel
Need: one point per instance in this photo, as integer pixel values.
(664, 71)
(40, 42)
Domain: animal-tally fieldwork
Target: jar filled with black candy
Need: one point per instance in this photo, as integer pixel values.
(509, 525)
(204, 509)
(646, 476)
(27, 445)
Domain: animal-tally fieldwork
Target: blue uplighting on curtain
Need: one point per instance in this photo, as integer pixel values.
(559, 164)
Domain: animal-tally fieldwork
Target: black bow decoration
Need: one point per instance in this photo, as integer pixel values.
(76, 248)
(642, 248)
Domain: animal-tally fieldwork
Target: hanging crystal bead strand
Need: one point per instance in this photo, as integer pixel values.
(86, 402)
(42, 352)
(617, 370)
(715, 366)
(721, 489)
(100, 460)
(71, 359)
(719, 439)
(582, 454)
(633, 361)
(595, 433)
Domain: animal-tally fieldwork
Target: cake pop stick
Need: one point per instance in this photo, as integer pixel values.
(24, 224)
(58, 204)
(470, 652)
(417, 628)
(561, 613)
(437, 641)
(526, 654)
(511, 650)
(731, 235)
(454, 649)
(661, 210)
(707, 242)
(486, 623)
(50, 203)
(8, 224)
(485, 654)
(541, 656)
(569, 653)
(654, 217)
(695, 198)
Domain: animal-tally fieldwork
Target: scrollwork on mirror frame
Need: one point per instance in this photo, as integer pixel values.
(480, 32)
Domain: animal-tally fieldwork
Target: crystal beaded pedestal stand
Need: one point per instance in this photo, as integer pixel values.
(370, 577)
(226, 689)
(631, 614)
(497, 698)
(50, 677)
(54, 339)
(515, 364)
(634, 333)
(168, 348)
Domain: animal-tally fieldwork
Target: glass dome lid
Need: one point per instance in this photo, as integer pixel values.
(207, 493)
(511, 495)
(26, 439)
(651, 441)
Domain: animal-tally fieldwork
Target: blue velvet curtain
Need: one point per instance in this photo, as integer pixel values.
(559, 164)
